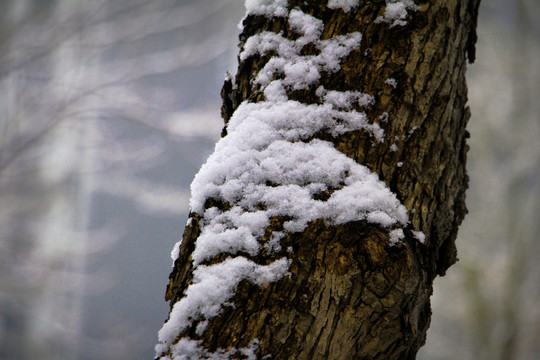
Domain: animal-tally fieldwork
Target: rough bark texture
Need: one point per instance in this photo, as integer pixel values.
(350, 294)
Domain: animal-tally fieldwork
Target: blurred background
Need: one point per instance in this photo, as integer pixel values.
(109, 107)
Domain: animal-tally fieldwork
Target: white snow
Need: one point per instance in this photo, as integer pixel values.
(392, 82)
(201, 327)
(274, 244)
(299, 72)
(346, 5)
(420, 236)
(384, 117)
(176, 251)
(396, 236)
(283, 177)
(268, 8)
(396, 12)
(412, 131)
(269, 166)
(212, 287)
(345, 100)
(188, 349)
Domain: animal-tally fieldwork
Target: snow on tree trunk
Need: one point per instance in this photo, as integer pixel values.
(333, 199)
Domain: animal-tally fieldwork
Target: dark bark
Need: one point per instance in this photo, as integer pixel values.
(350, 294)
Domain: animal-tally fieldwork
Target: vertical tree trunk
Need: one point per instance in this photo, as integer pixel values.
(352, 288)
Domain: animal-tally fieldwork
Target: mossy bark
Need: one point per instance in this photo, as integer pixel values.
(350, 294)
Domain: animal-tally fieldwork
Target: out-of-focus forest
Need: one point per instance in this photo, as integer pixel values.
(108, 108)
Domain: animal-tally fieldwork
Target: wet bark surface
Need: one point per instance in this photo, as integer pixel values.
(350, 294)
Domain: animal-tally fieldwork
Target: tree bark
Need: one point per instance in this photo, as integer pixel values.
(350, 293)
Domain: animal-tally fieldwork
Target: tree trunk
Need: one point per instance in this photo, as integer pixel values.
(357, 288)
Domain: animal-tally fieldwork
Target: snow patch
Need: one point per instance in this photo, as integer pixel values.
(412, 131)
(345, 100)
(212, 287)
(345, 5)
(299, 72)
(396, 12)
(188, 349)
(396, 236)
(392, 82)
(420, 236)
(176, 251)
(268, 8)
